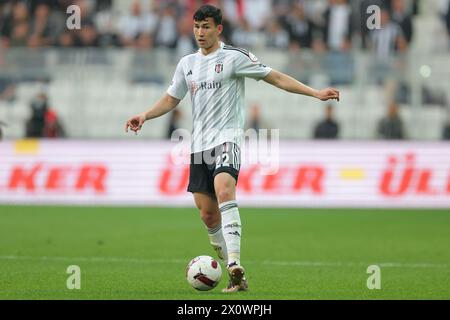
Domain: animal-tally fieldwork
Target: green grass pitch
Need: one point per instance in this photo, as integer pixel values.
(141, 253)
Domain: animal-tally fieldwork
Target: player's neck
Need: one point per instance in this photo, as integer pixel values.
(206, 51)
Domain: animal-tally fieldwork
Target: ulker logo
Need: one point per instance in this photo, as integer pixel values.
(42, 178)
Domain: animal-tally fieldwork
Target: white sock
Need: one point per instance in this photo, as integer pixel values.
(231, 222)
(218, 242)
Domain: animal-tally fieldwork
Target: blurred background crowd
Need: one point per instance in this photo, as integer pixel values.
(124, 54)
(320, 25)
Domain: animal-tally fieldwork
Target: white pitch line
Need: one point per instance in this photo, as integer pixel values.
(265, 262)
(356, 264)
(92, 259)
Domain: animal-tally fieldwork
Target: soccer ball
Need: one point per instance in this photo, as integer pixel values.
(203, 273)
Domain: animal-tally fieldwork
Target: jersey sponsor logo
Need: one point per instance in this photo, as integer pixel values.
(219, 67)
(204, 85)
(193, 87)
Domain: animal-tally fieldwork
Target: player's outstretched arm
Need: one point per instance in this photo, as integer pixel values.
(161, 107)
(285, 82)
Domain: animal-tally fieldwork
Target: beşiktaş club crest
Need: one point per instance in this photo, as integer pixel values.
(219, 67)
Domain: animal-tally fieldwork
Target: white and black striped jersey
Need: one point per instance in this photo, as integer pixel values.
(217, 85)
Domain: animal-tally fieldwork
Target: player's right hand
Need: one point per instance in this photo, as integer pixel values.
(135, 123)
(328, 94)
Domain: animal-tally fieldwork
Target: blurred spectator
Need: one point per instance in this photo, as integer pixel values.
(66, 39)
(2, 124)
(337, 30)
(7, 89)
(256, 13)
(174, 122)
(103, 5)
(46, 25)
(391, 126)
(300, 28)
(442, 7)
(35, 125)
(231, 9)
(447, 20)
(276, 36)
(144, 41)
(53, 127)
(166, 31)
(17, 29)
(327, 128)
(315, 10)
(44, 122)
(105, 23)
(40, 27)
(87, 36)
(87, 9)
(389, 39)
(431, 95)
(244, 36)
(256, 120)
(446, 130)
(403, 18)
(227, 30)
(185, 40)
(19, 36)
(190, 6)
(281, 8)
(136, 24)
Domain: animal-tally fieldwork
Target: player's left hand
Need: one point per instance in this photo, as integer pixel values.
(135, 123)
(328, 94)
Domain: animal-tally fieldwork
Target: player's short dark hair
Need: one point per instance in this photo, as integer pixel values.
(208, 11)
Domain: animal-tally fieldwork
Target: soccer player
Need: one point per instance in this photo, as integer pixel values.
(215, 76)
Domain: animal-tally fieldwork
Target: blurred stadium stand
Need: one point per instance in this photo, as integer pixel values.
(95, 88)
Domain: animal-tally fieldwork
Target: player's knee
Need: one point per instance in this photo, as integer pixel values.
(225, 194)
